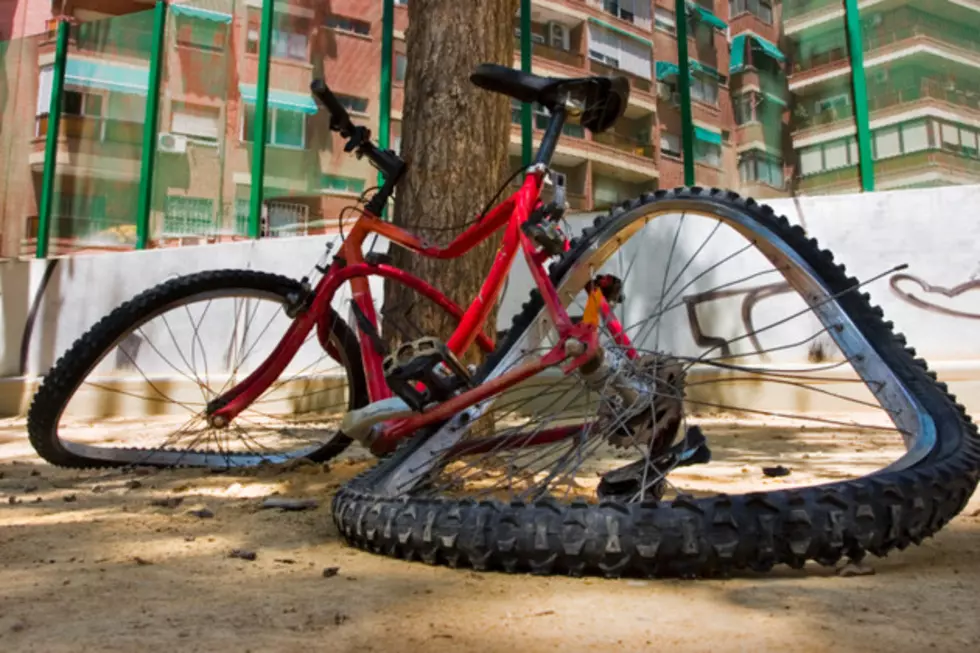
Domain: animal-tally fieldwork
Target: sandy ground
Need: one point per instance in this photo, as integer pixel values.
(91, 563)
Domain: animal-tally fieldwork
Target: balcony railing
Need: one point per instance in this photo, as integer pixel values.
(885, 97)
(794, 8)
(903, 163)
(102, 130)
(567, 57)
(636, 81)
(875, 39)
(625, 144)
(541, 122)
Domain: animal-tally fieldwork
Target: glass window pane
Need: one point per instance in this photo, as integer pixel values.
(811, 161)
(289, 127)
(887, 143)
(915, 136)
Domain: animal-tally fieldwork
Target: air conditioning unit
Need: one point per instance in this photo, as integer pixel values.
(172, 143)
(663, 91)
(558, 36)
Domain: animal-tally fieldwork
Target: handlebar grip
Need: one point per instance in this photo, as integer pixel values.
(339, 118)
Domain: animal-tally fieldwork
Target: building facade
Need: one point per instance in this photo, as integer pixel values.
(771, 103)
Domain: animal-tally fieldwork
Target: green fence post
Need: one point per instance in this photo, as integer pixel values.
(387, 48)
(684, 82)
(866, 164)
(527, 131)
(51, 142)
(150, 127)
(261, 120)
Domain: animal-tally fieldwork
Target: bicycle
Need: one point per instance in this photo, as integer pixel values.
(444, 431)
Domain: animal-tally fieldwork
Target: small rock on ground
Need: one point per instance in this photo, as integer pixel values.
(776, 471)
(167, 502)
(202, 512)
(330, 572)
(242, 554)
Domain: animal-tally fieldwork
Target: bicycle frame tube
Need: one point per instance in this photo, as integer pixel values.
(350, 266)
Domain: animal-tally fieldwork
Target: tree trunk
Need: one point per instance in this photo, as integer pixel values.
(455, 138)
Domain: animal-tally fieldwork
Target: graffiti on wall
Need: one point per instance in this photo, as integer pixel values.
(752, 296)
(904, 286)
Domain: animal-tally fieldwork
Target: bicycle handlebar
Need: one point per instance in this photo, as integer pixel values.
(339, 118)
(359, 141)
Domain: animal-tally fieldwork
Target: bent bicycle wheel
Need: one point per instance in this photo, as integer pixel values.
(134, 389)
(774, 418)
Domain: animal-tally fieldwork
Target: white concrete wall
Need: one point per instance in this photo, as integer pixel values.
(935, 302)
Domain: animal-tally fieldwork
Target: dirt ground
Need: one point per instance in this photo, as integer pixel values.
(110, 561)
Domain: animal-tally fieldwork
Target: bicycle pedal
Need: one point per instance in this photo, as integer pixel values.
(424, 371)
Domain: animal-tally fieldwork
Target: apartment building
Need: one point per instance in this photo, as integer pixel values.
(770, 102)
(922, 66)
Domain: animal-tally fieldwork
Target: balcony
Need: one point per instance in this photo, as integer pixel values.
(924, 28)
(72, 234)
(883, 100)
(892, 169)
(625, 144)
(798, 8)
(636, 82)
(565, 57)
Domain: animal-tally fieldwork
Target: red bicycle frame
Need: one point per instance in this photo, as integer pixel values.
(350, 266)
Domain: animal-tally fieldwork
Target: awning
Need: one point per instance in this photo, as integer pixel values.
(203, 14)
(621, 32)
(698, 67)
(768, 48)
(738, 54)
(107, 76)
(665, 69)
(706, 135)
(281, 99)
(738, 51)
(706, 16)
(775, 99)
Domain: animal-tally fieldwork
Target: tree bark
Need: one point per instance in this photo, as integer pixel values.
(455, 139)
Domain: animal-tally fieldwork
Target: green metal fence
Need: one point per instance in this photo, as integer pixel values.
(191, 122)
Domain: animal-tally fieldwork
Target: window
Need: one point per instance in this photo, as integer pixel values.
(290, 37)
(196, 121)
(337, 184)
(286, 219)
(202, 34)
(761, 167)
(828, 156)
(632, 11)
(286, 128)
(188, 216)
(744, 106)
(915, 136)
(761, 8)
(403, 3)
(351, 25)
(664, 19)
(78, 103)
(401, 63)
(709, 153)
(670, 144)
(704, 89)
(353, 104)
(623, 53)
(887, 143)
(960, 140)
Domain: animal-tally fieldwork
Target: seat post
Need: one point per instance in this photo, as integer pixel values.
(551, 136)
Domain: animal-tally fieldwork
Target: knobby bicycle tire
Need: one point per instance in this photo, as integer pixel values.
(689, 537)
(65, 377)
